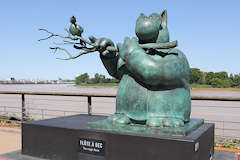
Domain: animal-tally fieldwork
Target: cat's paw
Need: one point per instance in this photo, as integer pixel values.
(164, 122)
(119, 118)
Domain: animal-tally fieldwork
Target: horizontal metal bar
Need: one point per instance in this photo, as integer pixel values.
(58, 93)
(214, 98)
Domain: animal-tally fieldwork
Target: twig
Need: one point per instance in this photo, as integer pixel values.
(60, 43)
(59, 48)
(53, 34)
(82, 53)
(69, 42)
(66, 42)
(94, 48)
(89, 50)
(65, 37)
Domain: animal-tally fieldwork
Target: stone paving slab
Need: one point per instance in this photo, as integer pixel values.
(220, 155)
(16, 155)
(10, 139)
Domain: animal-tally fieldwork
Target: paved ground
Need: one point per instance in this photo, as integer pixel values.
(10, 139)
(224, 155)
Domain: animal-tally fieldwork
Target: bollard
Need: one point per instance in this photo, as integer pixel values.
(237, 156)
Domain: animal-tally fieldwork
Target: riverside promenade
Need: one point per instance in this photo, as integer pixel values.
(225, 114)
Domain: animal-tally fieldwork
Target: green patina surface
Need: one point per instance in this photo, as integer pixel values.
(141, 128)
(154, 93)
(154, 86)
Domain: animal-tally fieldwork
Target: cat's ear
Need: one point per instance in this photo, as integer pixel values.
(164, 18)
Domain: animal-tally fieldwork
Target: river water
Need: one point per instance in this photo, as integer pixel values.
(225, 114)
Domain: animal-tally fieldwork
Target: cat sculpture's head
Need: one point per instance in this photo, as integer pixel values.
(152, 28)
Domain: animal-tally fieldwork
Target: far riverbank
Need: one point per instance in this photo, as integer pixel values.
(112, 89)
(194, 86)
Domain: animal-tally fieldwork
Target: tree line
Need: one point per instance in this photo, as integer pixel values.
(98, 78)
(214, 79)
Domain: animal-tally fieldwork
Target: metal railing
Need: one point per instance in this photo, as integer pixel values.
(89, 97)
(221, 127)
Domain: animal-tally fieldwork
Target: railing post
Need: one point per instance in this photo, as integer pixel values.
(89, 105)
(23, 108)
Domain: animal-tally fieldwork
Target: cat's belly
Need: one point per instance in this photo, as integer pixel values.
(131, 99)
(139, 102)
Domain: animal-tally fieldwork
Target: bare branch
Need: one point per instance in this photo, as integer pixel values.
(69, 42)
(52, 35)
(65, 37)
(86, 50)
(59, 48)
(60, 43)
(46, 38)
(80, 54)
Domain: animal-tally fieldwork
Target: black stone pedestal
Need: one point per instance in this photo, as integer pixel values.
(68, 138)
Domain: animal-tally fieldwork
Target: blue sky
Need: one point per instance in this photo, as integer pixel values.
(208, 33)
